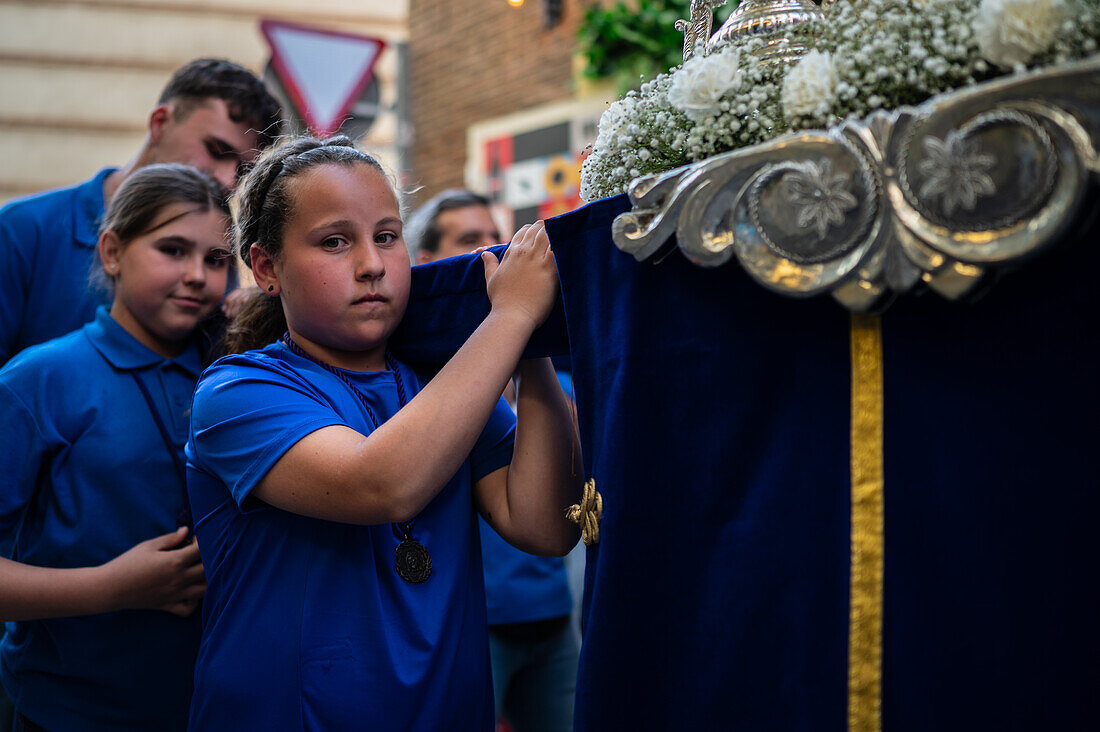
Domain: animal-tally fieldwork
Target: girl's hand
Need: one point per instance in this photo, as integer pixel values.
(164, 573)
(526, 281)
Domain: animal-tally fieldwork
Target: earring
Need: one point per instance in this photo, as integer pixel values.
(271, 288)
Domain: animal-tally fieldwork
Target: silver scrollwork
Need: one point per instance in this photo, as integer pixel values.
(940, 194)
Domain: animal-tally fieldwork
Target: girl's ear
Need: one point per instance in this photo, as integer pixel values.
(263, 269)
(110, 251)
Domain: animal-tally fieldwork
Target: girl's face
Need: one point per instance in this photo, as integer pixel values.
(170, 277)
(344, 271)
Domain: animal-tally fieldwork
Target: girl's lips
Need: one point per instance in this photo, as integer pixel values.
(366, 299)
(188, 302)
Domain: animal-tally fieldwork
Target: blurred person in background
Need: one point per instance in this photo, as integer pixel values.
(533, 644)
(212, 115)
(454, 222)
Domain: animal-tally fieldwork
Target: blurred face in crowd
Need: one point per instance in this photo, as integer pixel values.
(462, 230)
(202, 136)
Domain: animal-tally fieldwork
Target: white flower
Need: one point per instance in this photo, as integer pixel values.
(810, 86)
(1012, 32)
(698, 87)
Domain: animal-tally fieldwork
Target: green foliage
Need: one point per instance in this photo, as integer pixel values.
(626, 43)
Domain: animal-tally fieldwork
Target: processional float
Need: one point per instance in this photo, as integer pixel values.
(837, 392)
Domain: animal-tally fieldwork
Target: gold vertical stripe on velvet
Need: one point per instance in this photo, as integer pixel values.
(865, 619)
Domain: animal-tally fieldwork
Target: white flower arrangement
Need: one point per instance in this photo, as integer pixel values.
(869, 54)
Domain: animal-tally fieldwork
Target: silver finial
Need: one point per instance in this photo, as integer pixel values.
(698, 28)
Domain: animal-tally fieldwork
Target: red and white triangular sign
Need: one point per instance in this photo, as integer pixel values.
(323, 71)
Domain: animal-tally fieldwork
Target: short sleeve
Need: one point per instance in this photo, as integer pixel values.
(21, 460)
(245, 416)
(493, 449)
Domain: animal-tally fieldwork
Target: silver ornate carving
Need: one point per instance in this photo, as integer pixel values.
(819, 196)
(787, 27)
(697, 28)
(936, 195)
(955, 169)
(954, 173)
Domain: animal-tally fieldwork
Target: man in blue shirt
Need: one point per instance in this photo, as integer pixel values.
(213, 115)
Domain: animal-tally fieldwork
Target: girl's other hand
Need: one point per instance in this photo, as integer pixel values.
(164, 573)
(526, 281)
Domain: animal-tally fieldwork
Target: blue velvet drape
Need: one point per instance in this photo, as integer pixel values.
(715, 419)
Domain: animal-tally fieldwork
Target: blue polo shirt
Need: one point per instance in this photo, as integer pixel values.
(84, 476)
(307, 624)
(47, 249)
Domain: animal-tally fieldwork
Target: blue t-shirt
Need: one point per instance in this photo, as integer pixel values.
(47, 249)
(307, 624)
(84, 476)
(521, 587)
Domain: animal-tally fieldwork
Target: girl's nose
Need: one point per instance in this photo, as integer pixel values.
(195, 273)
(370, 264)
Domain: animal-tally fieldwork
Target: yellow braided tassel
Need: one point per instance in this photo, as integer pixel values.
(587, 513)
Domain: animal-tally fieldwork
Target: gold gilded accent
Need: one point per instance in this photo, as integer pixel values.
(865, 619)
(587, 513)
(968, 270)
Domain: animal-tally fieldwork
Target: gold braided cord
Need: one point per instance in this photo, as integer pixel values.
(865, 620)
(587, 513)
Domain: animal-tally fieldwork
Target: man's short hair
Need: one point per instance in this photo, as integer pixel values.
(422, 231)
(248, 100)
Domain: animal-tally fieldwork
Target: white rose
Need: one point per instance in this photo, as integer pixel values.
(699, 85)
(1011, 32)
(810, 86)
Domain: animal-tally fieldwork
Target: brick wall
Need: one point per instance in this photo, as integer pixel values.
(476, 59)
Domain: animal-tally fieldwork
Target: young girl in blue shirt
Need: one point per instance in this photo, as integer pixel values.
(100, 580)
(335, 491)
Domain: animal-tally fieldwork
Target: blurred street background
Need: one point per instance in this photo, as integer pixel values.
(490, 95)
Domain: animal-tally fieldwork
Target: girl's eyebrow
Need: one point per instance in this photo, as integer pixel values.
(348, 224)
(176, 239)
(178, 216)
(338, 224)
